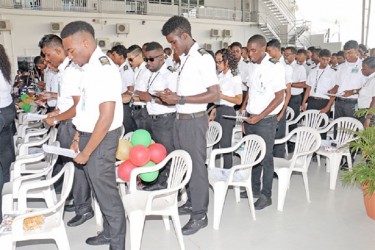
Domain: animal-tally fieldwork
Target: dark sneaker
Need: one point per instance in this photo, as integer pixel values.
(194, 225)
(185, 209)
(80, 219)
(262, 202)
(100, 239)
(243, 195)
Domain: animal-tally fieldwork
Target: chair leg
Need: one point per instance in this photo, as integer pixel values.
(7, 206)
(250, 198)
(318, 159)
(237, 191)
(284, 180)
(334, 167)
(7, 243)
(98, 216)
(306, 182)
(61, 238)
(166, 222)
(177, 229)
(349, 160)
(220, 191)
(136, 223)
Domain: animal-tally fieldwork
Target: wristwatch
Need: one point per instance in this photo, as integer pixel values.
(182, 100)
(55, 121)
(355, 91)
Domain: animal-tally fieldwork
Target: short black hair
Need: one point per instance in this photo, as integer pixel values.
(153, 46)
(370, 62)
(316, 51)
(176, 24)
(362, 49)
(292, 49)
(274, 43)
(340, 53)
(302, 51)
(76, 26)
(325, 53)
(135, 49)
(245, 49)
(351, 44)
(50, 40)
(311, 48)
(38, 60)
(235, 44)
(119, 49)
(334, 54)
(258, 39)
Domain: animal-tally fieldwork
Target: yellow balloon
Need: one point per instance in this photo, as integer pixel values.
(123, 149)
(27, 100)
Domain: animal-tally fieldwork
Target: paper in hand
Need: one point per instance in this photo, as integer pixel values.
(234, 117)
(59, 151)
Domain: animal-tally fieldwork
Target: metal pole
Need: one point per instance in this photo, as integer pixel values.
(363, 21)
(368, 21)
(179, 8)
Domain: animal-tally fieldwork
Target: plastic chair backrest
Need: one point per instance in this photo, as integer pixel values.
(214, 133)
(345, 127)
(289, 114)
(313, 119)
(180, 169)
(307, 141)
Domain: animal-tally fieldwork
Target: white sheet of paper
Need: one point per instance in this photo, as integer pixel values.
(59, 151)
(34, 117)
(337, 95)
(234, 117)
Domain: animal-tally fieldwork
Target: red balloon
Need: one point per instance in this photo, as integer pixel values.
(139, 155)
(158, 152)
(125, 169)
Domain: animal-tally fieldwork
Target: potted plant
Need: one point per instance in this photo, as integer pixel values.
(363, 173)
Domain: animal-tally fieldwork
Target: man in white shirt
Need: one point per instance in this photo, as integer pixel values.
(266, 98)
(52, 87)
(119, 57)
(98, 123)
(366, 98)
(197, 85)
(162, 116)
(348, 82)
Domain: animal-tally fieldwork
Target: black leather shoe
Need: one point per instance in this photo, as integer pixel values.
(69, 208)
(243, 195)
(194, 225)
(262, 202)
(185, 209)
(156, 186)
(100, 239)
(80, 219)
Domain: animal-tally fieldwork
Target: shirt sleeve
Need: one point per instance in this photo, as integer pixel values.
(237, 81)
(208, 71)
(110, 81)
(278, 81)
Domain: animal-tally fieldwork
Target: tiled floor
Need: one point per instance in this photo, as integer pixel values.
(333, 220)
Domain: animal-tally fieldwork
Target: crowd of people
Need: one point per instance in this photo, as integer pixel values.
(90, 95)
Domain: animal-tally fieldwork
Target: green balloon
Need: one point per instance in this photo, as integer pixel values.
(26, 107)
(151, 176)
(23, 96)
(141, 137)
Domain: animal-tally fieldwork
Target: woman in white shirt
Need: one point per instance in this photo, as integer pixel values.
(231, 94)
(7, 115)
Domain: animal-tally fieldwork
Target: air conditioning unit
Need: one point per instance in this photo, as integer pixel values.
(224, 45)
(4, 25)
(117, 43)
(207, 46)
(122, 28)
(227, 33)
(215, 33)
(56, 27)
(103, 43)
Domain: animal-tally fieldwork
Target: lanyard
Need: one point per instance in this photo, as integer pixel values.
(318, 78)
(179, 72)
(150, 83)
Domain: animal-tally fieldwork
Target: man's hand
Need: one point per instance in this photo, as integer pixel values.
(168, 96)
(82, 158)
(144, 96)
(254, 119)
(303, 106)
(53, 113)
(49, 121)
(324, 110)
(75, 147)
(347, 93)
(126, 98)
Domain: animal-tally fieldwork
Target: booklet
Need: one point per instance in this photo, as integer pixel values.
(59, 151)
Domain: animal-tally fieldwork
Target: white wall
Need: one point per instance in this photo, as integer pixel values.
(28, 27)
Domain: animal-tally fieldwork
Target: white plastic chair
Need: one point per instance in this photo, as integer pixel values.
(345, 126)
(53, 226)
(307, 141)
(310, 118)
(289, 114)
(213, 136)
(253, 152)
(127, 136)
(139, 204)
(34, 146)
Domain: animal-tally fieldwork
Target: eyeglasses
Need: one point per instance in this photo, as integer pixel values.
(152, 59)
(132, 59)
(219, 62)
(286, 55)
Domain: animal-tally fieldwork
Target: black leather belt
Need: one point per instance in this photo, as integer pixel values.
(155, 117)
(66, 122)
(317, 98)
(180, 116)
(138, 107)
(349, 100)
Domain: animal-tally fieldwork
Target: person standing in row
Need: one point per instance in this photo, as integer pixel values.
(98, 123)
(265, 101)
(197, 85)
(231, 94)
(366, 98)
(7, 115)
(69, 80)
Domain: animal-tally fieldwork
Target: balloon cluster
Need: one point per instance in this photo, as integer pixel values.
(26, 102)
(139, 152)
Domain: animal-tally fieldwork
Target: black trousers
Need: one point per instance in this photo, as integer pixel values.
(279, 149)
(128, 122)
(81, 189)
(101, 174)
(190, 135)
(141, 118)
(345, 107)
(7, 155)
(227, 126)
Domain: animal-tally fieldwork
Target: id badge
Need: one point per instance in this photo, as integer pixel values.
(83, 106)
(355, 70)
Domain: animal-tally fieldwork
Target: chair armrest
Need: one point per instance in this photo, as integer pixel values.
(23, 150)
(218, 151)
(35, 133)
(141, 170)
